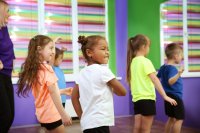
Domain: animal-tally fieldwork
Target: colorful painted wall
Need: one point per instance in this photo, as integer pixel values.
(144, 18)
(129, 17)
(25, 112)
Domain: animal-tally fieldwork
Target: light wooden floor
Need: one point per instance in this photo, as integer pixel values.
(122, 125)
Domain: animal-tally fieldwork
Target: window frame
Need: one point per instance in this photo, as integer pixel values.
(186, 73)
(75, 45)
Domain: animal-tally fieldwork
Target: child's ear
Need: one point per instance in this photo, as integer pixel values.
(175, 56)
(88, 52)
(39, 48)
(143, 46)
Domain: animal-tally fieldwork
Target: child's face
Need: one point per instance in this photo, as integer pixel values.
(59, 60)
(147, 47)
(47, 53)
(100, 53)
(179, 57)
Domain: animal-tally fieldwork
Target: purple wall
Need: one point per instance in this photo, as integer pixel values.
(191, 101)
(191, 85)
(121, 104)
(25, 112)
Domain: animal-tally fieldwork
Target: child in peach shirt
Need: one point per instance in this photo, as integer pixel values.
(37, 75)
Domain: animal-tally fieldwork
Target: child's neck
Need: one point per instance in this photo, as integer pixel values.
(140, 53)
(93, 62)
(44, 62)
(171, 62)
(56, 65)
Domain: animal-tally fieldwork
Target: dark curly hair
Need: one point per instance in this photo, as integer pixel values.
(88, 43)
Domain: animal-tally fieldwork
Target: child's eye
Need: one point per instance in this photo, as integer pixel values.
(102, 48)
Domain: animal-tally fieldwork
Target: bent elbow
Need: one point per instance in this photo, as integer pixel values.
(123, 93)
(170, 82)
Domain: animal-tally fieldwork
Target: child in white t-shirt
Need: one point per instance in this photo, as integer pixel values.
(92, 95)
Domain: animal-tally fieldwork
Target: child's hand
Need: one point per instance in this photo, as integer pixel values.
(66, 119)
(63, 49)
(66, 91)
(181, 69)
(1, 65)
(170, 100)
(58, 40)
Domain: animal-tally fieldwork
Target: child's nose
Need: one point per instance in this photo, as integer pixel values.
(107, 51)
(53, 52)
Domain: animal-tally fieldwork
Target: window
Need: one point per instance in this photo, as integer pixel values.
(23, 25)
(58, 23)
(63, 18)
(180, 23)
(91, 20)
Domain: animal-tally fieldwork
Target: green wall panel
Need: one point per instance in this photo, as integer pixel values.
(111, 35)
(144, 18)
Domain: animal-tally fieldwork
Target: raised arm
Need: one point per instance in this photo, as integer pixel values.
(55, 95)
(117, 87)
(75, 101)
(57, 40)
(173, 80)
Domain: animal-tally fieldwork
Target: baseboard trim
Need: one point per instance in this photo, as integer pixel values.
(31, 125)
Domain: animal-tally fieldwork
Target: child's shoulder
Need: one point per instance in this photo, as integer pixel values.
(96, 68)
(55, 68)
(170, 66)
(167, 67)
(102, 66)
(139, 58)
(46, 67)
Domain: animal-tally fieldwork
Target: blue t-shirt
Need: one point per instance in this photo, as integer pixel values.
(61, 80)
(165, 73)
(6, 52)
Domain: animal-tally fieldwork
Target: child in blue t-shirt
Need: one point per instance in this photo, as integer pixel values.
(172, 83)
(60, 75)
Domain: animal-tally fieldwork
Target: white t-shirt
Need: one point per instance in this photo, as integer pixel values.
(96, 97)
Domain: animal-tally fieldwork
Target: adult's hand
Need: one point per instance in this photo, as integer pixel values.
(1, 65)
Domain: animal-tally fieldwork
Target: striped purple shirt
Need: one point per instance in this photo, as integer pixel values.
(6, 52)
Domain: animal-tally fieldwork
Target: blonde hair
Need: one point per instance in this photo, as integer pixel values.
(172, 49)
(134, 44)
(3, 9)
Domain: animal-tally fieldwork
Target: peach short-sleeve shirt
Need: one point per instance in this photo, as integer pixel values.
(46, 111)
